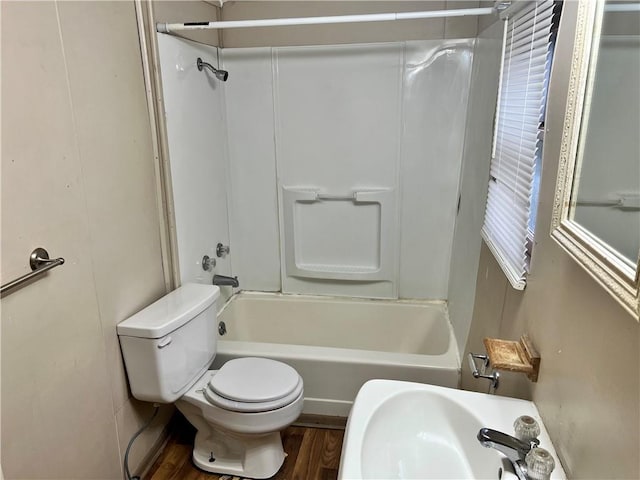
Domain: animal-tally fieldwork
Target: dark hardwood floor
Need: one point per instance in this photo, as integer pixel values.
(313, 454)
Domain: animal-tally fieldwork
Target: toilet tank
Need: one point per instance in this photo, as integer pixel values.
(168, 345)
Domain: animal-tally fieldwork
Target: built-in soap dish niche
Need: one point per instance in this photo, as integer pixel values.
(339, 236)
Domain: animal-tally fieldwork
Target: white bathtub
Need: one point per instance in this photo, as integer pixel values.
(338, 344)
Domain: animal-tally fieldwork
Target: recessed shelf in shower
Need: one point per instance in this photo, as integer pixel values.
(339, 236)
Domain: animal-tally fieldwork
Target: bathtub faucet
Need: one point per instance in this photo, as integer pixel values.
(514, 449)
(225, 281)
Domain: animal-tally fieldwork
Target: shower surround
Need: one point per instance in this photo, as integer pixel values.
(330, 171)
(346, 159)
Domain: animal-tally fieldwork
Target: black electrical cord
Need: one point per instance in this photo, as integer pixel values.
(127, 473)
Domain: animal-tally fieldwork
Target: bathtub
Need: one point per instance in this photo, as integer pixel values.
(337, 344)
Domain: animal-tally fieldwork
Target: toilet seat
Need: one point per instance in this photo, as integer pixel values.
(253, 385)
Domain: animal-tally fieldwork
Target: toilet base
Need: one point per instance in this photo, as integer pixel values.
(239, 455)
(246, 445)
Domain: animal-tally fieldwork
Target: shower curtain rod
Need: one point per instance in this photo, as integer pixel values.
(281, 22)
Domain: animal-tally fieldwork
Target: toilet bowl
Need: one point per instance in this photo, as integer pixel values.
(235, 436)
(238, 411)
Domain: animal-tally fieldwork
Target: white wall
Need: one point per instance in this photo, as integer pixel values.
(195, 115)
(474, 180)
(344, 118)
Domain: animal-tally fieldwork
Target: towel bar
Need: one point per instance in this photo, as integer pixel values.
(40, 262)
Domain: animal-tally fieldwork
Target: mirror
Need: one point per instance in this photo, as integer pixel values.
(597, 211)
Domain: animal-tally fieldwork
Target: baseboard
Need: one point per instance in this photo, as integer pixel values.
(326, 406)
(321, 421)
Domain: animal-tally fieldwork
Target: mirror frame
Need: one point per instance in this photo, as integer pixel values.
(617, 276)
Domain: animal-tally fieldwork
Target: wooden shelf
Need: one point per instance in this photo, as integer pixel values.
(513, 356)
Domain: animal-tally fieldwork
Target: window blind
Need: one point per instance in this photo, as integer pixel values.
(519, 115)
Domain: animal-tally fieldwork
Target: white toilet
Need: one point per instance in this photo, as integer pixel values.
(238, 410)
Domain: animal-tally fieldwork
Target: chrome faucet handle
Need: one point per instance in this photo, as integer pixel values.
(222, 250)
(208, 263)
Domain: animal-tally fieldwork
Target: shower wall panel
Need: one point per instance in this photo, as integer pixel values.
(337, 124)
(196, 131)
(253, 196)
(338, 120)
(435, 96)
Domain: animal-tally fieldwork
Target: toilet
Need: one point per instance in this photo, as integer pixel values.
(238, 411)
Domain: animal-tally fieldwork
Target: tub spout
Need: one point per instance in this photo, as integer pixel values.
(223, 280)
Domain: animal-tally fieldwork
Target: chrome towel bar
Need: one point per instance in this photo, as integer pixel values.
(39, 262)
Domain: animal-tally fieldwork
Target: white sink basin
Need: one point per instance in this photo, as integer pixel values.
(409, 430)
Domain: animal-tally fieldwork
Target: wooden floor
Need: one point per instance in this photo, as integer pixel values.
(313, 454)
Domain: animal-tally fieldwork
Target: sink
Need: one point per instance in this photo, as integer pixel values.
(399, 430)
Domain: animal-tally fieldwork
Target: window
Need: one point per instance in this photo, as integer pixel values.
(519, 129)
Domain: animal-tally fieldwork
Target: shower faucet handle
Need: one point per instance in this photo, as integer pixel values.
(208, 263)
(222, 250)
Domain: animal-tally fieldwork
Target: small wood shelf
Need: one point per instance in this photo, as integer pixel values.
(514, 356)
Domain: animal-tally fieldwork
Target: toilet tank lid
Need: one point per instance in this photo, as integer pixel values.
(170, 312)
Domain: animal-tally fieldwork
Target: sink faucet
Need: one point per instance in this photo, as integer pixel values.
(223, 280)
(514, 449)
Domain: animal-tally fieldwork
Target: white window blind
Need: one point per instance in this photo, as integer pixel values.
(520, 113)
